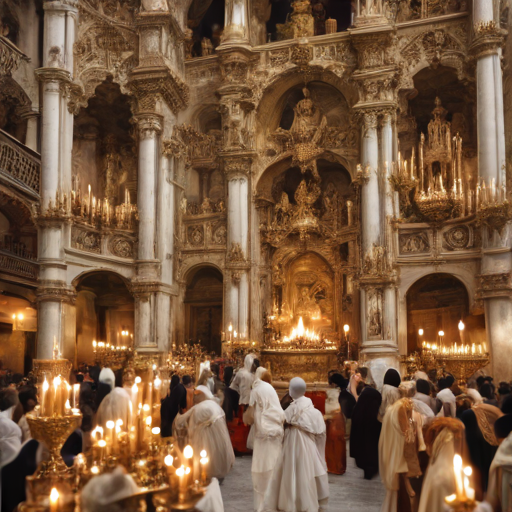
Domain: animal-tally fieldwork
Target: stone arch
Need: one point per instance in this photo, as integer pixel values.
(14, 104)
(437, 301)
(104, 311)
(204, 304)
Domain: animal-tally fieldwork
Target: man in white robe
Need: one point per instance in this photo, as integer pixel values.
(242, 383)
(268, 432)
(299, 482)
(207, 430)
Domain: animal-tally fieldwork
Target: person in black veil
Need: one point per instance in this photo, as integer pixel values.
(365, 432)
(346, 399)
(231, 397)
(172, 405)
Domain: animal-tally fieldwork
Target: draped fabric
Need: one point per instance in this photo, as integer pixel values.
(116, 405)
(336, 446)
(212, 500)
(481, 451)
(446, 396)
(299, 482)
(390, 395)
(439, 480)
(207, 430)
(499, 491)
(171, 406)
(347, 403)
(365, 433)
(268, 437)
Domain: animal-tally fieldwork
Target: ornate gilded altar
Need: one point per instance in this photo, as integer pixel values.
(310, 364)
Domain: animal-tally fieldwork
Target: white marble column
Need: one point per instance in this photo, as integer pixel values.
(236, 24)
(149, 129)
(32, 135)
(386, 144)
(370, 203)
(490, 117)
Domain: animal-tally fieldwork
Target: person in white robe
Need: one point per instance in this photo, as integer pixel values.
(242, 382)
(207, 430)
(299, 482)
(446, 398)
(267, 434)
(390, 391)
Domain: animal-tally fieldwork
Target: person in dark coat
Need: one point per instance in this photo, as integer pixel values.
(481, 441)
(346, 399)
(365, 432)
(172, 405)
(231, 397)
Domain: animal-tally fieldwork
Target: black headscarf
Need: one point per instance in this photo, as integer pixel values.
(422, 386)
(338, 380)
(503, 426)
(392, 378)
(171, 406)
(365, 432)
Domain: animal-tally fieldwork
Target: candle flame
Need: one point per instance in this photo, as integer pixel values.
(180, 471)
(188, 452)
(457, 462)
(110, 424)
(155, 431)
(203, 453)
(54, 495)
(138, 380)
(450, 498)
(169, 459)
(468, 470)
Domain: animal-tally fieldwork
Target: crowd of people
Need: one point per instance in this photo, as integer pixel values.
(408, 432)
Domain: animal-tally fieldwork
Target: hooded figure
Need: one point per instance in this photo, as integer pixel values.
(268, 435)
(207, 430)
(243, 380)
(446, 398)
(444, 438)
(365, 432)
(172, 405)
(390, 391)
(116, 405)
(299, 482)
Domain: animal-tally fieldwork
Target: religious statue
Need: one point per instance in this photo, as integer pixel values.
(112, 171)
(206, 47)
(206, 206)
(307, 306)
(220, 207)
(319, 16)
(374, 313)
(330, 201)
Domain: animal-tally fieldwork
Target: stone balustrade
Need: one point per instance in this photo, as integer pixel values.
(12, 264)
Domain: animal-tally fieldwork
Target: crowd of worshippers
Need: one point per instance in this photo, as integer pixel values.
(405, 431)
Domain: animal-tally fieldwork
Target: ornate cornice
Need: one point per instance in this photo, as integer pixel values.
(494, 285)
(53, 75)
(55, 291)
(237, 166)
(488, 40)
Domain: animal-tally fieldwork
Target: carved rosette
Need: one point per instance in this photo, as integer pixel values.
(121, 247)
(458, 238)
(85, 240)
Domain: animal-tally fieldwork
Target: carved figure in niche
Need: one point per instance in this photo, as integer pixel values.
(236, 254)
(374, 313)
(282, 210)
(206, 47)
(206, 206)
(220, 207)
(319, 15)
(155, 5)
(112, 169)
(330, 201)
(375, 262)
(308, 118)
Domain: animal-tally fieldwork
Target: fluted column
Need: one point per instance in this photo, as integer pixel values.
(236, 24)
(145, 284)
(55, 297)
(370, 203)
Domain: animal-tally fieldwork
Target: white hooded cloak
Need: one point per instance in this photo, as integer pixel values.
(207, 430)
(299, 481)
(243, 380)
(268, 433)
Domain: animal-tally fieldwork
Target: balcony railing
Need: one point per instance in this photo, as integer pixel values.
(15, 265)
(19, 163)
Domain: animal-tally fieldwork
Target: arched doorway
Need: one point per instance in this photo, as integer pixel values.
(438, 302)
(104, 312)
(203, 308)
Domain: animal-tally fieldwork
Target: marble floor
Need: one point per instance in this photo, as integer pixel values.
(348, 492)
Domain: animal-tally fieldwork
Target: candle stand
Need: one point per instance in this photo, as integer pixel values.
(463, 366)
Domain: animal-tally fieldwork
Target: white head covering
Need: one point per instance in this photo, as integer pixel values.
(10, 441)
(107, 489)
(206, 391)
(259, 372)
(117, 405)
(249, 359)
(107, 377)
(297, 388)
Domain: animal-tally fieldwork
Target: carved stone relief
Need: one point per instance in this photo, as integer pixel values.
(414, 243)
(195, 235)
(374, 313)
(85, 240)
(458, 238)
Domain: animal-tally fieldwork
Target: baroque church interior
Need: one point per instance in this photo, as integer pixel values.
(316, 181)
(240, 165)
